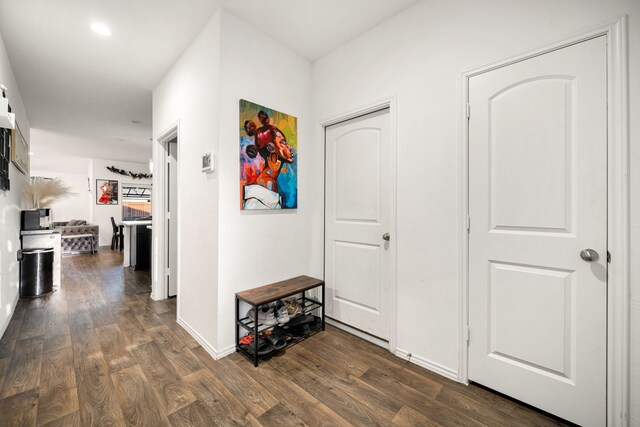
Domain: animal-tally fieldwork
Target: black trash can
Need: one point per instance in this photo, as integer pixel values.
(36, 272)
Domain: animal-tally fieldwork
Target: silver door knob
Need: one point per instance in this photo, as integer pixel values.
(386, 237)
(589, 255)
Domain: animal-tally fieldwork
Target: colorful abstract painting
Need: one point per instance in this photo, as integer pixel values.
(268, 158)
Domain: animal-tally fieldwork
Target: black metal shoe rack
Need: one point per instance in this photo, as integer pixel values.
(271, 293)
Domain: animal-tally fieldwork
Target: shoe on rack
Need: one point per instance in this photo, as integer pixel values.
(299, 331)
(293, 307)
(263, 346)
(247, 339)
(282, 332)
(265, 315)
(282, 314)
(278, 342)
(301, 320)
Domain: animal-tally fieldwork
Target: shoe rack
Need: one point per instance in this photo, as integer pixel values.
(268, 294)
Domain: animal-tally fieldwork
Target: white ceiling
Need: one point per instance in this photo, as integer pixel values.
(77, 83)
(314, 28)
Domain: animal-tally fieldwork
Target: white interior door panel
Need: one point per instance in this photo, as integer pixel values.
(537, 198)
(357, 215)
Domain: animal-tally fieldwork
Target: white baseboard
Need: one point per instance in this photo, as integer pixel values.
(417, 360)
(157, 298)
(204, 343)
(8, 319)
(429, 365)
(357, 332)
(227, 351)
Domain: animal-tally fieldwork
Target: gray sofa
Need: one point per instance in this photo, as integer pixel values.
(78, 236)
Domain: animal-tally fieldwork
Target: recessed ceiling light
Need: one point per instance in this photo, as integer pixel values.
(101, 29)
(31, 153)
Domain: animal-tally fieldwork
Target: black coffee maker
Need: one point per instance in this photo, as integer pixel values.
(36, 219)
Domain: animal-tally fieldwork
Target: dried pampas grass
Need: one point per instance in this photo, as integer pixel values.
(42, 192)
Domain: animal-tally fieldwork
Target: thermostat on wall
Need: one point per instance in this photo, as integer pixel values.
(208, 162)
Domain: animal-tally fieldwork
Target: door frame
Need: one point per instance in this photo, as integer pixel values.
(389, 102)
(159, 288)
(618, 312)
(173, 220)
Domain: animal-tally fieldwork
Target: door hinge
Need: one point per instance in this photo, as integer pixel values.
(608, 257)
(168, 271)
(168, 215)
(468, 223)
(467, 334)
(468, 111)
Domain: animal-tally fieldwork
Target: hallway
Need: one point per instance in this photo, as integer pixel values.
(100, 351)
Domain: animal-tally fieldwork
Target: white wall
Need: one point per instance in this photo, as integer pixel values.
(220, 246)
(260, 247)
(49, 144)
(11, 203)
(54, 162)
(419, 55)
(77, 206)
(188, 95)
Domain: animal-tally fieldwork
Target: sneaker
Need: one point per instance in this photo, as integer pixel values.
(282, 315)
(265, 315)
(247, 339)
(293, 307)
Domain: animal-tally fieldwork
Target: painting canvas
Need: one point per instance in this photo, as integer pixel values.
(268, 158)
(106, 192)
(19, 151)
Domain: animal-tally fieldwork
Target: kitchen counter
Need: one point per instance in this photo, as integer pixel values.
(34, 232)
(137, 244)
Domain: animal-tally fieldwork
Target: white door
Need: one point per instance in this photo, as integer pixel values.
(357, 217)
(537, 198)
(172, 217)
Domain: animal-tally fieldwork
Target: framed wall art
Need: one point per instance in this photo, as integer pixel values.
(268, 158)
(5, 158)
(19, 151)
(106, 192)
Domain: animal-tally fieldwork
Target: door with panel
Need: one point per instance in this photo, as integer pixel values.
(538, 231)
(358, 223)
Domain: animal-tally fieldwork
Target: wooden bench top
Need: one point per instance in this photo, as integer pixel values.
(279, 290)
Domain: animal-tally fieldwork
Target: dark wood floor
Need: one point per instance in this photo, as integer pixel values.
(101, 352)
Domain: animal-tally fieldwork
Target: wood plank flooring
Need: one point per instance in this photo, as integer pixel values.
(101, 352)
